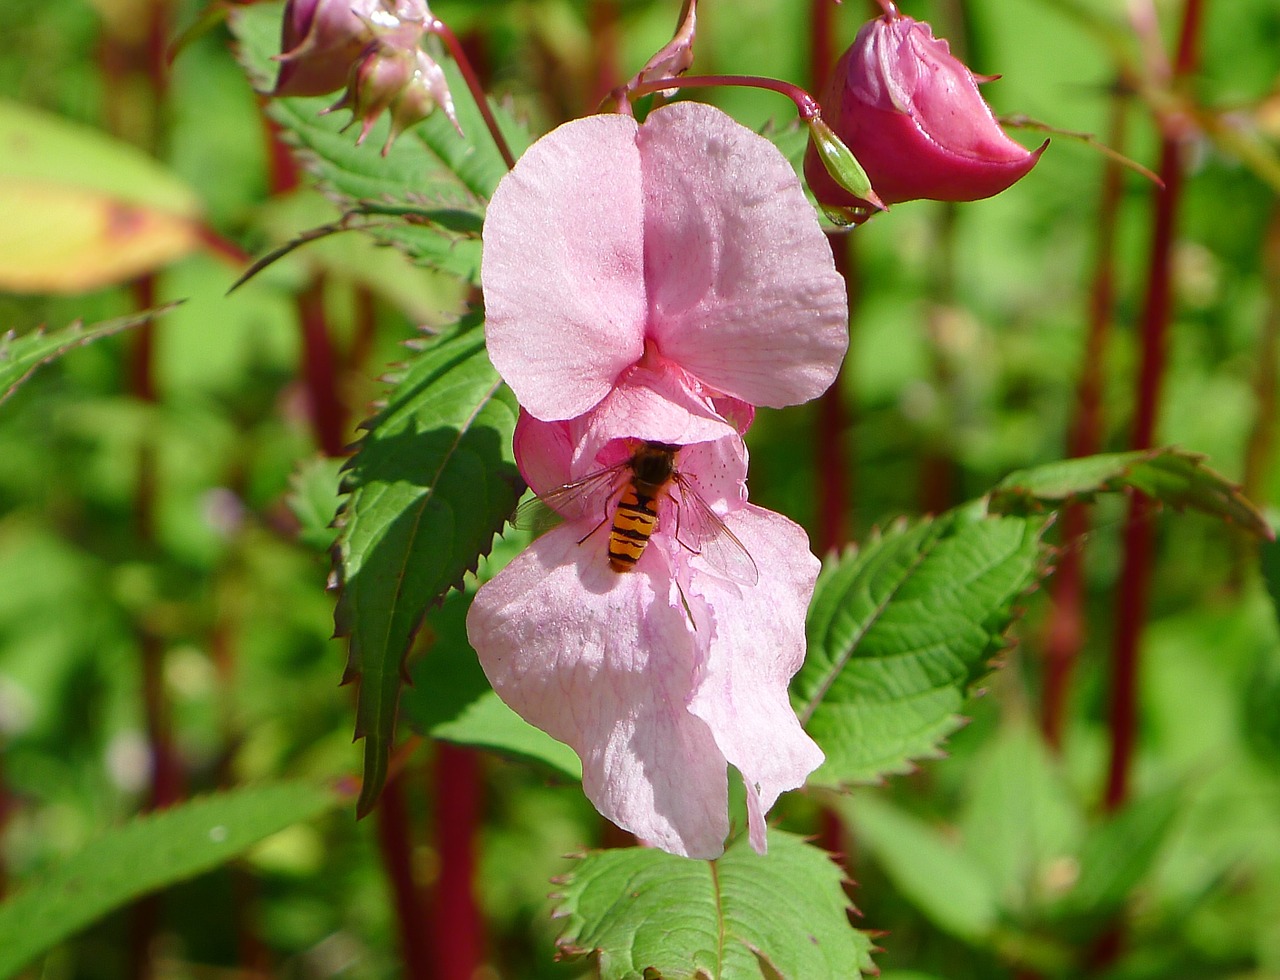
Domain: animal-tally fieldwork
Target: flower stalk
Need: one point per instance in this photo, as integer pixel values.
(439, 28)
(806, 105)
(1065, 632)
(1136, 570)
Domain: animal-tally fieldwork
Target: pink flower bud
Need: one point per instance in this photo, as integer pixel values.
(319, 42)
(377, 79)
(322, 39)
(425, 90)
(912, 115)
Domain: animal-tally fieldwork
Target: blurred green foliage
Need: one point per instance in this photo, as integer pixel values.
(147, 536)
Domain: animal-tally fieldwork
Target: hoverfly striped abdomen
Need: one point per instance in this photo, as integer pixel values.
(636, 516)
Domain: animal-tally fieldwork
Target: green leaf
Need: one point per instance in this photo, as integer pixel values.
(1020, 819)
(942, 880)
(1270, 560)
(639, 912)
(433, 480)
(1118, 854)
(450, 698)
(1169, 475)
(150, 852)
(314, 497)
(39, 147)
(83, 210)
(20, 356)
(899, 630)
(432, 185)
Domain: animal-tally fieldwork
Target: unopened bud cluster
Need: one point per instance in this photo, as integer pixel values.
(370, 48)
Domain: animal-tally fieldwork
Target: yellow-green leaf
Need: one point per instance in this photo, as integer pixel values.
(82, 209)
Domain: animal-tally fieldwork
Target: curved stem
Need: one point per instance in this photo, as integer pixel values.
(439, 28)
(805, 103)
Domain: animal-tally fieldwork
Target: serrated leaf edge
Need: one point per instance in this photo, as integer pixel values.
(376, 759)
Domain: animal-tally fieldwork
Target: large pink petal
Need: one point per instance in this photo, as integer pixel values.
(755, 644)
(563, 267)
(742, 290)
(604, 662)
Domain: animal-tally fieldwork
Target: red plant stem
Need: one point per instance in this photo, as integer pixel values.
(223, 248)
(166, 778)
(1262, 438)
(319, 360)
(282, 169)
(1135, 573)
(602, 17)
(459, 926)
(821, 46)
(394, 842)
(805, 103)
(438, 27)
(938, 472)
(319, 372)
(834, 490)
(1065, 632)
(366, 329)
(7, 808)
(166, 775)
(835, 494)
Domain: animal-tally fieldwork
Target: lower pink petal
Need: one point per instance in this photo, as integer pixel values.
(604, 662)
(755, 643)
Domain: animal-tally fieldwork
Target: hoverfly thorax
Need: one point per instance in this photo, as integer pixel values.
(654, 465)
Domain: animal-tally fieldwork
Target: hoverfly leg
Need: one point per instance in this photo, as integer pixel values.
(606, 516)
(603, 521)
(687, 611)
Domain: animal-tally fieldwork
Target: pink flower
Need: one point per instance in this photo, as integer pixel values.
(661, 677)
(912, 115)
(645, 287)
(658, 262)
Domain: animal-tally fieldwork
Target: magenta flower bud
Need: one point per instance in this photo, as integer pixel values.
(912, 115)
(383, 72)
(320, 40)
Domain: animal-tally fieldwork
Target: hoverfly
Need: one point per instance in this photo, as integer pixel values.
(635, 487)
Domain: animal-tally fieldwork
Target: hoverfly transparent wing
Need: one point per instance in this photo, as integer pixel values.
(582, 498)
(701, 530)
